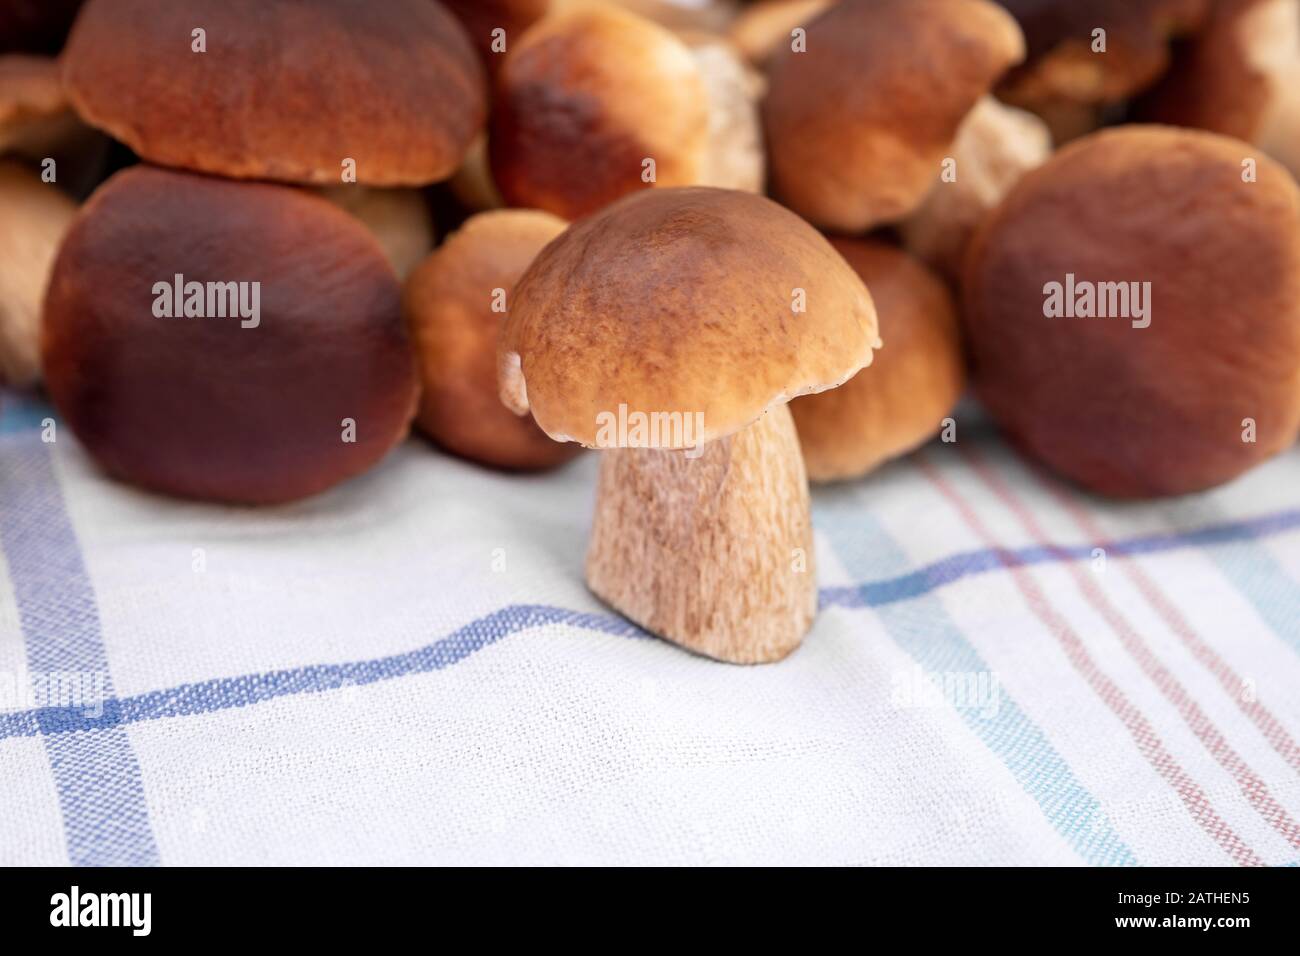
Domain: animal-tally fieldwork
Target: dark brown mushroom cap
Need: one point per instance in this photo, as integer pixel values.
(448, 306)
(287, 90)
(204, 407)
(684, 301)
(1059, 33)
(1159, 410)
(858, 124)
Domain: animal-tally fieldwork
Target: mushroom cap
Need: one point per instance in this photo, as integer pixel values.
(583, 100)
(33, 218)
(287, 90)
(683, 301)
(481, 17)
(858, 124)
(1142, 411)
(1239, 77)
(448, 302)
(765, 26)
(204, 407)
(898, 403)
(1061, 65)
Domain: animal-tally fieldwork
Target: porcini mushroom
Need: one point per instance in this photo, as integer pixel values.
(686, 319)
(900, 402)
(855, 132)
(1133, 311)
(768, 25)
(1240, 76)
(278, 90)
(995, 146)
(33, 218)
(597, 103)
(455, 305)
(239, 342)
(483, 19)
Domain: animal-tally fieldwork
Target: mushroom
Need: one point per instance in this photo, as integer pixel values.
(1240, 77)
(995, 146)
(294, 374)
(856, 129)
(764, 27)
(597, 103)
(677, 15)
(283, 91)
(37, 123)
(1132, 310)
(1070, 85)
(454, 305)
(900, 402)
(398, 218)
(33, 218)
(671, 328)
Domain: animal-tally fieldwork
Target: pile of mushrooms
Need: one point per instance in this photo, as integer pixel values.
(732, 247)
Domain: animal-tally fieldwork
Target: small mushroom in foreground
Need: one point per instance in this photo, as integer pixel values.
(598, 103)
(449, 305)
(33, 218)
(238, 342)
(284, 90)
(671, 328)
(1132, 311)
(858, 124)
(995, 146)
(899, 403)
(1240, 77)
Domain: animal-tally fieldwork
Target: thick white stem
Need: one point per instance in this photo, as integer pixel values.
(715, 553)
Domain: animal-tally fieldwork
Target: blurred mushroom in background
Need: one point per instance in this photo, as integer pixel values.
(1071, 83)
(37, 123)
(597, 103)
(1241, 77)
(392, 93)
(676, 15)
(493, 25)
(899, 402)
(34, 216)
(858, 124)
(995, 146)
(455, 305)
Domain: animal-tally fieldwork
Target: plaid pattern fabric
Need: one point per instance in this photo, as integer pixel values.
(408, 669)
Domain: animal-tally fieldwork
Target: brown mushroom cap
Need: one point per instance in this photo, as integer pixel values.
(1143, 411)
(583, 100)
(900, 402)
(765, 26)
(1239, 77)
(1061, 65)
(205, 407)
(858, 124)
(683, 300)
(285, 91)
(33, 218)
(448, 303)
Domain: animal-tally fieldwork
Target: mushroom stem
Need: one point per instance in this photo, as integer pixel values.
(714, 553)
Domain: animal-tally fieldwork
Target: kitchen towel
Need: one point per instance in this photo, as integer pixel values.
(409, 669)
